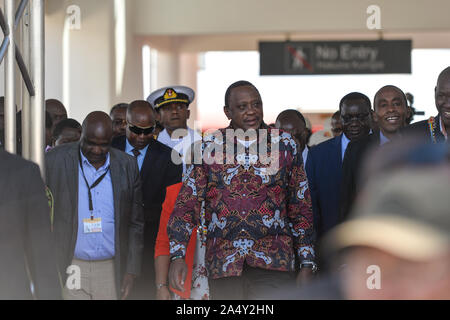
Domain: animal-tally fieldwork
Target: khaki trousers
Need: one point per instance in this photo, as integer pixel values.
(97, 281)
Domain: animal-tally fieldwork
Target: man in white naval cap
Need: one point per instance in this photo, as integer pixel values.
(172, 106)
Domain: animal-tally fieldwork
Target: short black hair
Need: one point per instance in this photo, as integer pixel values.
(240, 83)
(355, 96)
(336, 115)
(393, 87)
(118, 106)
(63, 124)
(297, 113)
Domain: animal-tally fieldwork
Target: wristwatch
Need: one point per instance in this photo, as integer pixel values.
(309, 264)
(160, 285)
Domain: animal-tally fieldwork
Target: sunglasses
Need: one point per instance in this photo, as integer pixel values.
(139, 131)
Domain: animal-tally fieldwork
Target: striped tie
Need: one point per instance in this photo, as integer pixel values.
(136, 152)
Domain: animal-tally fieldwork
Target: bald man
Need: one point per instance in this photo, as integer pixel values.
(436, 129)
(56, 109)
(158, 172)
(336, 124)
(98, 217)
(293, 122)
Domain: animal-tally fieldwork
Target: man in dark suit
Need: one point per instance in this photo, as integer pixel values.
(98, 218)
(26, 243)
(390, 114)
(157, 172)
(324, 164)
(436, 129)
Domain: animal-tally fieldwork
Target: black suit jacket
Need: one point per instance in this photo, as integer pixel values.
(62, 169)
(421, 129)
(25, 236)
(157, 173)
(354, 159)
(324, 171)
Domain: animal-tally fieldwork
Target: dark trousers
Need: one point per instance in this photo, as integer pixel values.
(144, 286)
(253, 284)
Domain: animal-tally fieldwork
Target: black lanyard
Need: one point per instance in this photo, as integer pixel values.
(96, 183)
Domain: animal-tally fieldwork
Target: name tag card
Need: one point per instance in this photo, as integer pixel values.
(92, 225)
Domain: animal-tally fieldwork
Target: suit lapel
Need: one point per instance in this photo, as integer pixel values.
(375, 138)
(437, 131)
(338, 149)
(71, 164)
(151, 160)
(122, 143)
(117, 178)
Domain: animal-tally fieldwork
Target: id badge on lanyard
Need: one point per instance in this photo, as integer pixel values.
(92, 225)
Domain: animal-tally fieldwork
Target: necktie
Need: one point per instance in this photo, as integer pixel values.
(136, 152)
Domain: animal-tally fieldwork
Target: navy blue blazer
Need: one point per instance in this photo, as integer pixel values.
(324, 171)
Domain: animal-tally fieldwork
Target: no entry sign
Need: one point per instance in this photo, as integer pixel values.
(335, 57)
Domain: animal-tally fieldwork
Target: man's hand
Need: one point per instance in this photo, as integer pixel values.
(127, 284)
(163, 293)
(177, 274)
(304, 276)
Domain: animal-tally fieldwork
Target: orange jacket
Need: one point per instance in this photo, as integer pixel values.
(162, 240)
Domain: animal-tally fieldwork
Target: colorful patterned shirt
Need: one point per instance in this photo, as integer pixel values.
(253, 211)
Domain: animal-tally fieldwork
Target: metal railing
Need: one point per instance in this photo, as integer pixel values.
(33, 97)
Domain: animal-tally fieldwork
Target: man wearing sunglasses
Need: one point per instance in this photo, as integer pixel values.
(324, 164)
(157, 172)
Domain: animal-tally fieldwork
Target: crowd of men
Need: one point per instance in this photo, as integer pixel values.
(137, 205)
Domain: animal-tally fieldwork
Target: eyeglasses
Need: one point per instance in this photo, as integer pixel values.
(359, 117)
(139, 131)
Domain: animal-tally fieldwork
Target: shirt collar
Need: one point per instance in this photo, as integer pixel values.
(344, 144)
(383, 139)
(129, 148)
(165, 135)
(85, 161)
(305, 154)
(260, 137)
(345, 140)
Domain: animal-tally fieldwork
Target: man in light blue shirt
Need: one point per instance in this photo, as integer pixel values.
(324, 163)
(98, 216)
(157, 172)
(96, 245)
(140, 127)
(132, 152)
(344, 144)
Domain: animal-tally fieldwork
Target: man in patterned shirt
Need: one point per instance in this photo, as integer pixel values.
(258, 215)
